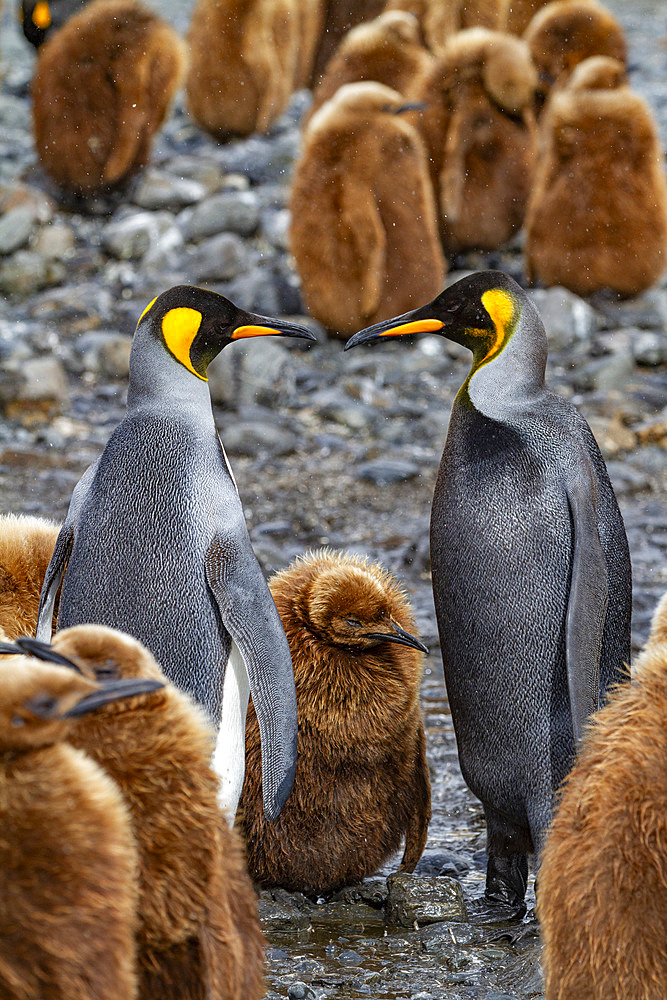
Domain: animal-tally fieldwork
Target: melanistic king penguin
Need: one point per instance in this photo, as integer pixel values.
(530, 563)
(155, 543)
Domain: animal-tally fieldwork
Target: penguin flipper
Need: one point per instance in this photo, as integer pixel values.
(587, 600)
(61, 553)
(360, 213)
(249, 614)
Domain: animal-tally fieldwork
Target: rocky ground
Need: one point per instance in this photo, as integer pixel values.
(327, 449)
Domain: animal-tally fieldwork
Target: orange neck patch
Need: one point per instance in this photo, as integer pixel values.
(179, 328)
(500, 307)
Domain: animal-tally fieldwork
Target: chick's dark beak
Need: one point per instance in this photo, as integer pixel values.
(113, 691)
(399, 636)
(419, 320)
(251, 325)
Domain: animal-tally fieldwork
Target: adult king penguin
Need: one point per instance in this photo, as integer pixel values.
(155, 542)
(530, 563)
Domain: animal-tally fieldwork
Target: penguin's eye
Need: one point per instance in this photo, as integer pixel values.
(42, 705)
(353, 622)
(106, 670)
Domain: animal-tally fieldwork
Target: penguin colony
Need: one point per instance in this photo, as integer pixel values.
(163, 479)
(525, 531)
(357, 670)
(68, 860)
(26, 546)
(110, 74)
(602, 894)
(363, 228)
(198, 933)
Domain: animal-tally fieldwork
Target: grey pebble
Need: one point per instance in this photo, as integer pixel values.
(226, 212)
(219, 258)
(157, 190)
(16, 228)
(385, 471)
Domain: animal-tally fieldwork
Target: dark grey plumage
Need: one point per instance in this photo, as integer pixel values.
(155, 543)
(39, 18)
(531, 569)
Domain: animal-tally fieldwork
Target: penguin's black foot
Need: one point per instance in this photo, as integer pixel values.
(506, 879)
(491, 911)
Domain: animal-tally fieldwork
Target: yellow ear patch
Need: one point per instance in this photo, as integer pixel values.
(179, 329)
(500, 307)
(146, 310)
(41, 15)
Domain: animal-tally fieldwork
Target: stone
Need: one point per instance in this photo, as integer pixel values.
(21, 195)
(219, 258)
(416, 900)
(33, 390)
(206, 173)
(649, 347)
(250, 438)
(275, 227)
(106, 353)
(16, 228)
(264, 160)
(242, 375)
(156, 190)
(300, 991)
(54, 241)
(385, 471)
(568, 319)
(131, 237)
(26, 272)
(226, 212)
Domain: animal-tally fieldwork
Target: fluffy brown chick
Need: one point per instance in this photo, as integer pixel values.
(199, 933)
(480, 133)
(102, 88)
(363, 228)
(26, 546)
(602, 890)
(564, 33)
(68, 891)
(387, 49)
(597, 212)
(362, 781)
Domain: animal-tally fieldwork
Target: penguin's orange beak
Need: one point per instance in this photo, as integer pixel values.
(417, 321)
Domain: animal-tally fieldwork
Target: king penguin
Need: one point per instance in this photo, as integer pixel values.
(155, 543)
(530, 565)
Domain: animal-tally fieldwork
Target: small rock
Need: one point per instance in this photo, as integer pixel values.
(385, 471)
(157, 190)
(227, 212)
(612, 436)
(207, 173)
(106, 353)
(251, 437)
(300, 991)
(26, 272)
(350, 957)
(275, 227)
(245, 375)
(16, 228)
(653, 431)
(54, 241)
(264, 160)
(567, 319)
(131, 237)
(20, 195)
(219, 258)
(33, 390)
(649, 347)
(415, 899)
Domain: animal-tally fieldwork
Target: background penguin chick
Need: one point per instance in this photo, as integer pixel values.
(361, 779)
(602, 893)
(26, 546)
(386, 49)
(597, 213)
(199, 933)
(245, 58)
(363, 227)
(480, 134)
(40, 18)
(566, 32)
(101, 90)
(442, 18)
(659, 624)
(68, 890)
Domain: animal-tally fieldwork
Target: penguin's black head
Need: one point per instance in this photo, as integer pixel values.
(480, 311)
(40, 18)
(194, 324)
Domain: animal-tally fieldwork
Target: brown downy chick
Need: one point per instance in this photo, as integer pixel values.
(362, 781)
(440, 19)
(566, 32)
(102, 88)
(363, 232)
(602, 891)
(26, 546)
(516, 15)
(479, 129)
(245, 60)
(68, 891)
(199, 933)
(597, 214)
(387, 49)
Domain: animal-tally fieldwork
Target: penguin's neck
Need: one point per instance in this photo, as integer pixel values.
(508, 384)
(158, 383)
